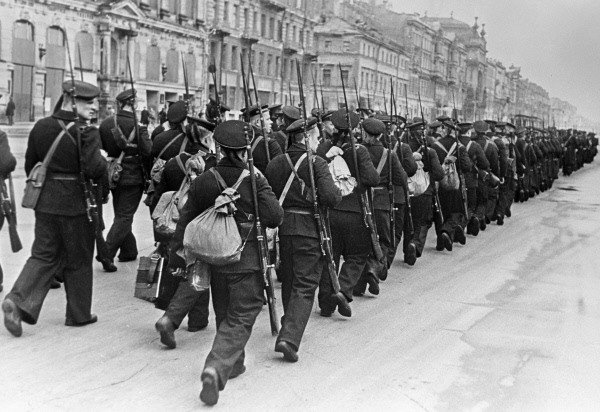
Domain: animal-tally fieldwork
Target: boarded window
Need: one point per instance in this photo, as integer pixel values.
(190, 65)
(23, 51)
(153, 63)
(85, 44)
(56, 50)
(172, 75)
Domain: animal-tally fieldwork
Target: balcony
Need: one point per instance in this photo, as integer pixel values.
(250, 36)
(276, 5)
(291, 47)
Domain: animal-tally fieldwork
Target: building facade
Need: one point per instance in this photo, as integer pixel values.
(155, 36)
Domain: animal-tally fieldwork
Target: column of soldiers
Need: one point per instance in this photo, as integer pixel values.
(337, 184)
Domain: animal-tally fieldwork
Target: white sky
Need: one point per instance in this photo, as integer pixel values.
(555, 42)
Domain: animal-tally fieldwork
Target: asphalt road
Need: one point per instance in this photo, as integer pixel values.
(508, 322)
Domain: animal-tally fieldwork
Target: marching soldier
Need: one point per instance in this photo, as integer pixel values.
(422, 203)
(490, 179)
(286, 116)
(505, 174)
(64, 238)
(449, 151)
(302, 261)
(259, 151)
(355, 244)
(479, 164)
(7, 166)
(382, 158)
(237, 289)
(173, 141)
(130, 151)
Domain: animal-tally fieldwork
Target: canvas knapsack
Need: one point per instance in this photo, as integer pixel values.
(419, 182)
(451, 179)
(213, 237)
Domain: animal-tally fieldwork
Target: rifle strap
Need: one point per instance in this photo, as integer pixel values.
(382, 161)
(180, 163)
(170, 143)
(256, 142)
(469, 145)
(293, 174)
(54, 146)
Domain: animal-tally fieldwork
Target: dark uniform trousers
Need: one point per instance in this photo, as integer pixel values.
(126, 200)
(384, 233)
(63, 245)
(402, 235)
(237, 300)
(451, 205)
(506, 194)
(492, 199)
(422, 219)
(482, 199)
(351, 239)
(188, 301)
(302, 266)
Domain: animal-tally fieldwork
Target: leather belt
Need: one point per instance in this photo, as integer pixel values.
(63, 176)
(298, 211)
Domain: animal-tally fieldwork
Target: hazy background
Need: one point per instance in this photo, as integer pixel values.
(555, 42)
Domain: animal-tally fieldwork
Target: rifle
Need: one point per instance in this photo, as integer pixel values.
(185, 82)
(263, 250)
(411, 226)
(321, 219)
(80, 63)
(390, 183)
(319, 113)
(461, 176)
(9, 211)
(212, 69)
(363, 198)
(438, 217)
(136, 125)
(88, 186)
(260, 113)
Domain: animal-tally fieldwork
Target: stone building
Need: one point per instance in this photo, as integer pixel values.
(155, 35)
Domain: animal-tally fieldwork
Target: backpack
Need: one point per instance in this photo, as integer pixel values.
(451, 179)
(342, 177)
(419, 182)
(159, 164)
(214, 237)
(166, 213)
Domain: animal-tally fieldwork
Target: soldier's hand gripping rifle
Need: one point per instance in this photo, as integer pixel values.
(9, 211)
(321, 218)
(89, 187)
(266, 267)
(363, 197)
(461, 176)
(438, 218)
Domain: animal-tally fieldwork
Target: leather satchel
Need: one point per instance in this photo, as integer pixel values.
(37, 176)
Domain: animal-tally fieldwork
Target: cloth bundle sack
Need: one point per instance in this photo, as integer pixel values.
(213, 236)
(114, 165)
(159, 164)
(451, 179)
(167, 211)
(37, 176)
(419, 182)
(342, 177)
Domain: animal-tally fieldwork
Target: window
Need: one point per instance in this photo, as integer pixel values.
(346, 46)
(269, 65)
(327, 44)
(56, 36)
(23, 30)
(263, 25)
(271, 28)
(225, 12)
(236, 15)
(234, 57)
(85, 44)
(153, 63)
(327, 77)
(277, 65)
(261, 63)
(172, 74)
(246, 20)
(345, 76)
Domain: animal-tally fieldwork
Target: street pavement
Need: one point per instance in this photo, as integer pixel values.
(508, 322)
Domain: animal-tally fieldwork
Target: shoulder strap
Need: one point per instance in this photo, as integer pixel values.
(469, 145)
(50, 153)
(441, 146)
(256, 142)
(168, 145)
(180, 163)
(245, 173)
(452, 148)
(66, 130)
(396, 146)
(293, 174)
(183, 145)
(382, 161)
(487, 143)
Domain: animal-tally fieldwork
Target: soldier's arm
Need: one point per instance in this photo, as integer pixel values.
(144, 142)
(464, 159)
(435, 168)
(494, 163)
(399, 175)
(7, 160)
(328, 193)
(274, 148)
(31, 155)
(94, 165)
(408, 160)
(368, 173)
(271, 213)
(482, 161)
(273, 174)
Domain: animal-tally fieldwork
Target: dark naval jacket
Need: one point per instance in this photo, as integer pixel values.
(298, 204)
(62, 193)
(381, 200)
